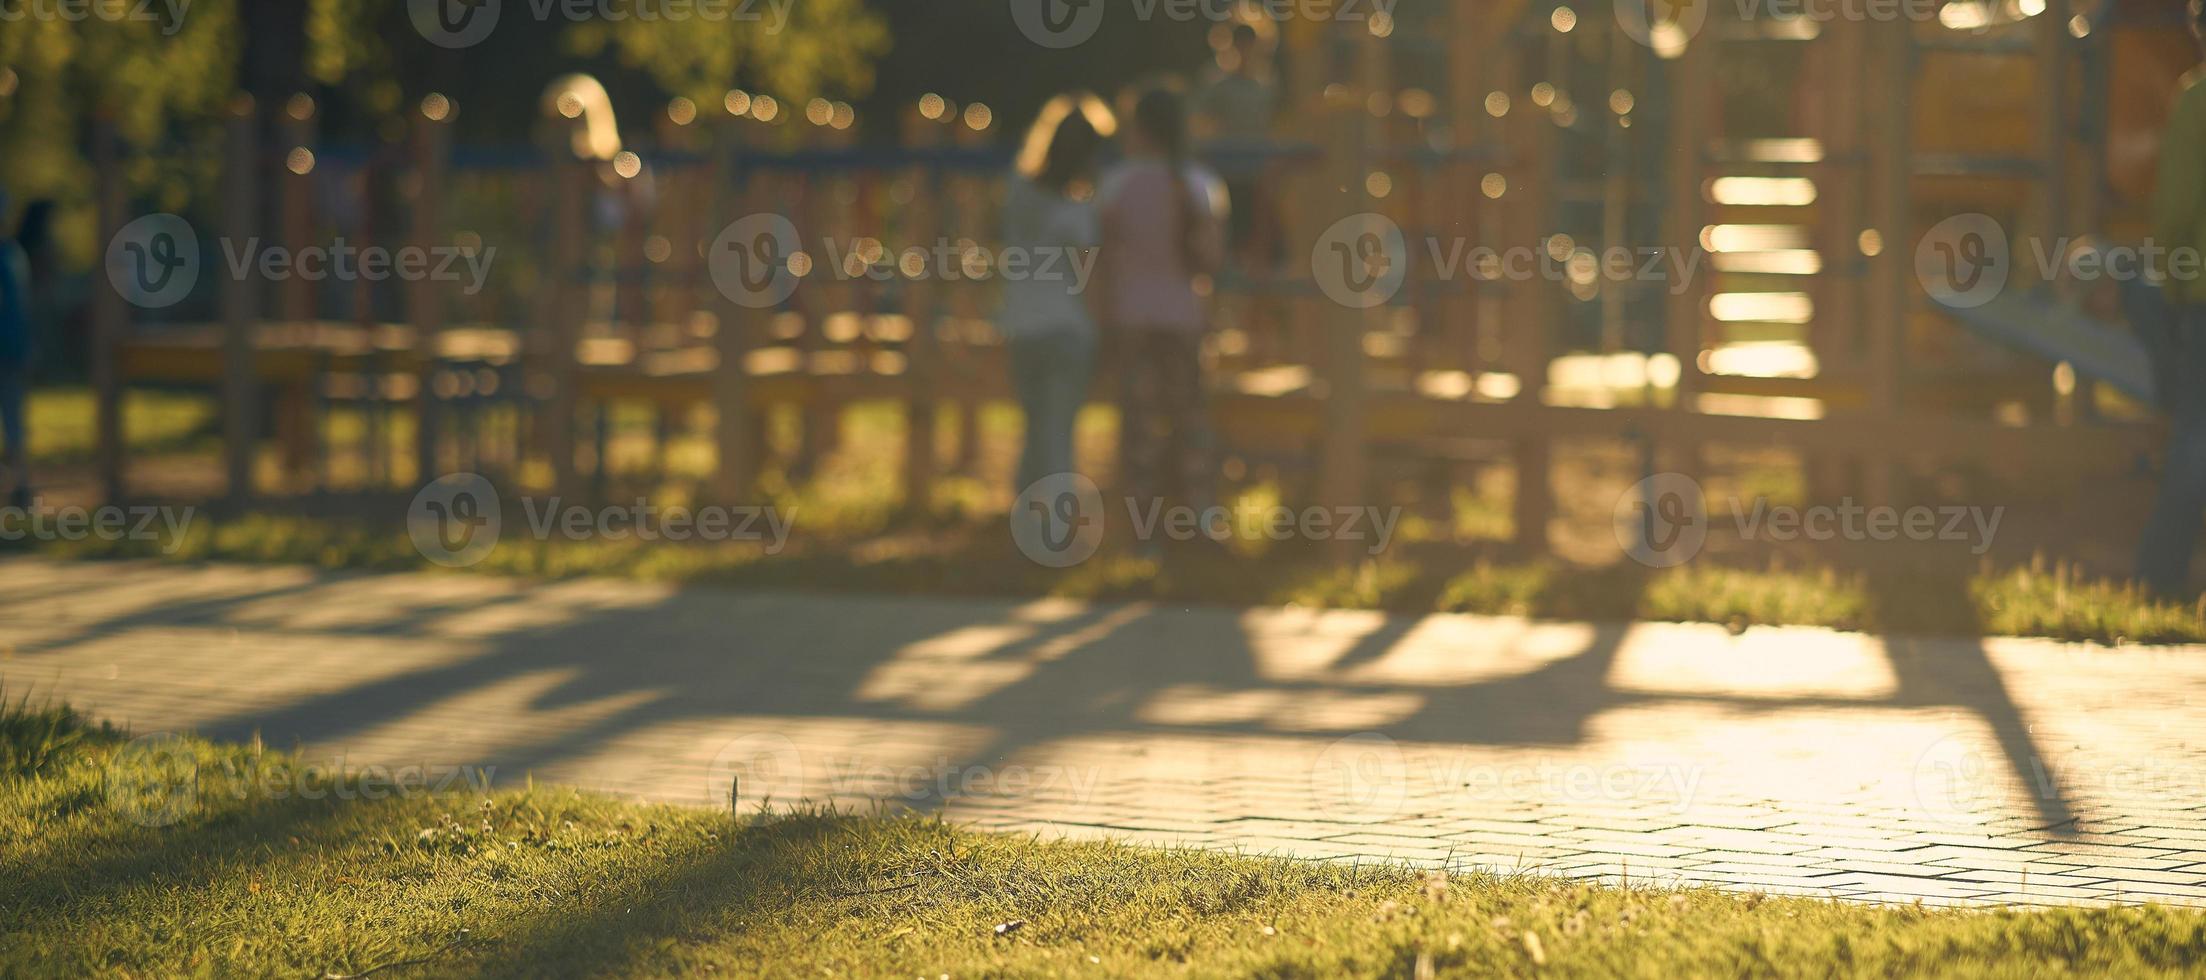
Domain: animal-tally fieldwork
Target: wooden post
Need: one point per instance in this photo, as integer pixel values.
(2056, 71)
(432, 146)
(1618, 183)
(1481, 68)
(734, 194)
(818, 297)
(971, 218)
(1891, 273)
(1836, 332)
(1305, 203)
(2053, 46)
(1530, 303)
(679, 214)
(922, 304)
(1692, 96)
(240, 302)
(1344, 477)
(298, 416)
(110, 319)
(564, 295)
(1464, 177)
(1696, 102)
(1838, 180)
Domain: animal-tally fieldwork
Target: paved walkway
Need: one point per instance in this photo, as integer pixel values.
(1783, 760)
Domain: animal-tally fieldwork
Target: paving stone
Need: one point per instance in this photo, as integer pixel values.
(1193, 727)
(2113, 860)
(2140, 877)
(2092, 900)
(1871, 866)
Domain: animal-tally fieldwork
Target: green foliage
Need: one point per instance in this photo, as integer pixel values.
(32, 737)
(2062, 603)
(165, 82)
(161, 82)
(794, 50)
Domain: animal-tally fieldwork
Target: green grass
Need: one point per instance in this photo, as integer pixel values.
(258, 878)
(62, 422)
(856, 535)
(973, 557)
(33, 738)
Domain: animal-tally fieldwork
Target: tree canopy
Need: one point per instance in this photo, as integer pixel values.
(164, 79)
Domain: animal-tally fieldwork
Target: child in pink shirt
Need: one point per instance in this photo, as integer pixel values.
(1162, 237)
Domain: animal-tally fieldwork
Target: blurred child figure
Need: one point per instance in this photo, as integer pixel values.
(1049, 212)
(1162, 217)
(15, 363)
(1235, 106)
(2179, 221)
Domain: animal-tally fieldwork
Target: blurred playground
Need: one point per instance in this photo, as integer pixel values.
(1620, 442)
(1791, 172)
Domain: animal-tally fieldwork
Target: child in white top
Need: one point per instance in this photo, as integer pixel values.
(1049, 215)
